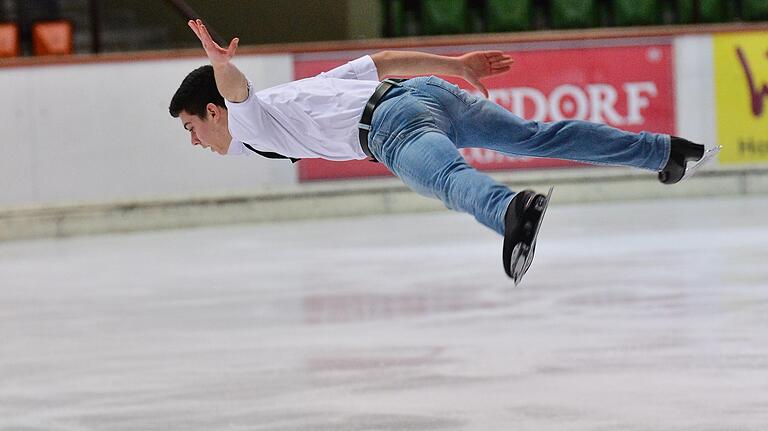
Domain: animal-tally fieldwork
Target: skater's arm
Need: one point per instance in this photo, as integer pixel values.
(230, 81)
(472, 66)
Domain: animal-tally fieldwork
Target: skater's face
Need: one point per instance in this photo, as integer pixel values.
(210, 132)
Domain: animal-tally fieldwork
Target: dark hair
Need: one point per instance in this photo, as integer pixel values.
(196, 91)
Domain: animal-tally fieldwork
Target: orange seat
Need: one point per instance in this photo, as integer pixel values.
(52, 38)
(9, 40)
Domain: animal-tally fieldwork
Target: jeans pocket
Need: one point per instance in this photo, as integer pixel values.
(463, 96)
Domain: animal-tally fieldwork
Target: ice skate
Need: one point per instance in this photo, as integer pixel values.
(521, 227)
(682, 152)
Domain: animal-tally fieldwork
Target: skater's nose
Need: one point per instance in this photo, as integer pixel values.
(194, 139)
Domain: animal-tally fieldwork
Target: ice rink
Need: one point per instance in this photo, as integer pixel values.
(648, 315)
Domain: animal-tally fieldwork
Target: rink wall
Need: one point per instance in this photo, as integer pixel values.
(96, 132)
(88, 145)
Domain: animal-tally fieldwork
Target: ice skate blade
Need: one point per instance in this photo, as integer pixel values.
(520, 254)
(520, 266)
(692, 167)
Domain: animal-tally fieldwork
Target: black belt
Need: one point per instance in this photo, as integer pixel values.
(365, 121)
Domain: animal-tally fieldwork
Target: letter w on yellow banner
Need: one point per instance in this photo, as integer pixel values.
(741, 91)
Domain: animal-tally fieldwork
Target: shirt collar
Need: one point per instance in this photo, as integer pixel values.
(236, 148)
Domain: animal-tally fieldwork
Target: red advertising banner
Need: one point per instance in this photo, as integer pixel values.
(630, 87)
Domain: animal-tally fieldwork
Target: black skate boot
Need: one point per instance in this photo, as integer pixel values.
(521, 226)
(681, 152)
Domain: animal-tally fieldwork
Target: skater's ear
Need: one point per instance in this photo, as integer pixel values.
(214, 111)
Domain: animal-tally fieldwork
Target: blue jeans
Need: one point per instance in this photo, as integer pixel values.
(419, 126)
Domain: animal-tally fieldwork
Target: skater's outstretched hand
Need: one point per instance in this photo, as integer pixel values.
(472, 66)
(230, 81)
(482, 64)
(216, 54)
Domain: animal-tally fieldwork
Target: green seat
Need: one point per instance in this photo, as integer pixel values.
(443, 16)
(709, 11)
(508, 15)
(755, 10)
(636, 12)
(394, 21)
(574, 13)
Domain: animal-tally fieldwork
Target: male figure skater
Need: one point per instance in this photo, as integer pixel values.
(414, 127)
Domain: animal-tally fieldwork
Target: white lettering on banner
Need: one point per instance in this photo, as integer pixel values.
(571, 102)
(636, 101)
(518, 96)
(570, 93)
(602, 98)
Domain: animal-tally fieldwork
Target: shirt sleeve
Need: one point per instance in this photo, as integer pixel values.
(250, 122)
(362, 69)
(245, 119)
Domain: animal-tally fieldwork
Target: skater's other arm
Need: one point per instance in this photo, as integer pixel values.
(230, 81)
(472, 66)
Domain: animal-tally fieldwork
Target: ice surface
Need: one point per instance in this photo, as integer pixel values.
(633, 316)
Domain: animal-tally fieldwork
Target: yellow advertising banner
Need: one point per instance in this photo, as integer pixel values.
(741, 92)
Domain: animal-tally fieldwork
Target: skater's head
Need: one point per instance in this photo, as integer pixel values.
(202, 111)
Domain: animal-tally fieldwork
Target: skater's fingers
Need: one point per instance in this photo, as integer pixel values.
(479, 85)
(198, 28)
(502, 63)
(207, 36)
(497, 57)
(233, 47)
(193, 26)
(203, 35)
(500, 66)
(482, 89)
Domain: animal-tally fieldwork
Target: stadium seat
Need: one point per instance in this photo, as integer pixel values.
(443, 16)
(714, 11)
(9, 40)
(755, 10)
(574, 13)
(395, 20)
(636, 12)
(52, 38)
(508, 15)
(709, 11)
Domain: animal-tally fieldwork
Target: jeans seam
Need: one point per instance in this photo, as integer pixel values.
(454, 133)
(458, 97)
(668, 140)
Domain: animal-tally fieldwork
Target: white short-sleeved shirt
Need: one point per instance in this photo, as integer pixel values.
(310, 118)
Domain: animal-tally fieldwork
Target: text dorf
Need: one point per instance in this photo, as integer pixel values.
(594, 102)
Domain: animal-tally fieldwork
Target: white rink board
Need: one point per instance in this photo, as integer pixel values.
(695, 108)
(101, 132)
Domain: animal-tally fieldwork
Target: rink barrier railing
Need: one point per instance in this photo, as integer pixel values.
(359, 198)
